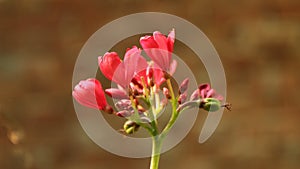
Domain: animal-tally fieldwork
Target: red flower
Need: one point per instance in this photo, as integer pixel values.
(153, 74)
(122, 72)
(90, 93)
(159, 48)
(109, 63)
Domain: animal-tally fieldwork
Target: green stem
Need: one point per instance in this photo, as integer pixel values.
(171, 122)
(174, 115)
(152, 113)
(156, 148)
(171, 89)
(158, 139)
(148, 128)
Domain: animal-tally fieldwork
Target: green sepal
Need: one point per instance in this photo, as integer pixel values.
(211, 104)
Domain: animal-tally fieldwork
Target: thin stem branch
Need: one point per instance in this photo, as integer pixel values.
(152, 113)
(174, 112)
(171, 89)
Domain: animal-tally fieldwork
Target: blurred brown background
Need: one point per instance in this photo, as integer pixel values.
(257, 42)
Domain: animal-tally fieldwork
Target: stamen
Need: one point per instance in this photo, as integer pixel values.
(145, 89)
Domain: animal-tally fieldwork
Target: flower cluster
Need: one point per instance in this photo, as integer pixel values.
(139, 83)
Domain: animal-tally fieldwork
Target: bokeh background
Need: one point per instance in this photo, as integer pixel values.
(258, 42)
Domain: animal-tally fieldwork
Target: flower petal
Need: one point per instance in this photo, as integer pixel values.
(159, 48)
(108, 64)
(171, 40)
(90, 93)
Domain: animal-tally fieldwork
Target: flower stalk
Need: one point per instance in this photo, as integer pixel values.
(156, 148)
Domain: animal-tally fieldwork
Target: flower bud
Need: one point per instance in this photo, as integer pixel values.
(90, 93)
(124, 104)
(182, 98)
(130, 127)
(204, 86)
(184, 85)
(116, 93)
(210, 104)
(195, 95)
(167, 93)
(124, 113)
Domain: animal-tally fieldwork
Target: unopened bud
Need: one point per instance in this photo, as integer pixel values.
(210, 104)
(124, 104)
(184, 85)
(124, 113)
(167, 93)
(116, 93)
(130, 127)
(182, 98)
(204, 86)
(195, 95)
